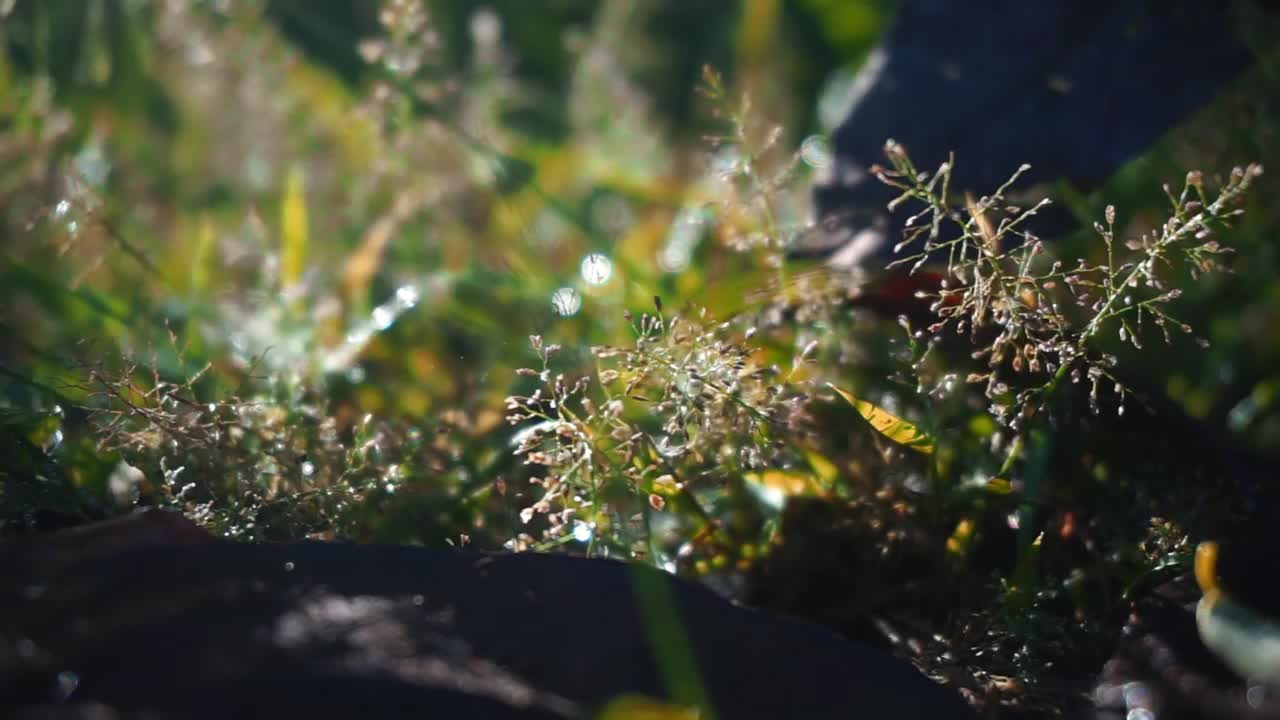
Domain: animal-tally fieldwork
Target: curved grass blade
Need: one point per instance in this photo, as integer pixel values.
(293, 229)
(886, 423)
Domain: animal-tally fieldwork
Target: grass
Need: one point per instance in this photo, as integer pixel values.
(389, 311)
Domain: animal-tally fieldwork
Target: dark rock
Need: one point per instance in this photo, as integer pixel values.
(216, 629)
(1075, 88)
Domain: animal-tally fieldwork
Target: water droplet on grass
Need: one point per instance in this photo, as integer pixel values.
(815, 151)
(407, 296)
(566, 302)
(67, 683)
(382, 317)
(597, 268)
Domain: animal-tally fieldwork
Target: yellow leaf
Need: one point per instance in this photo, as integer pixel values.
(635, 707)
(886, 423)
(786, 482)
(826, 470)
(364, 262)
(293, 229)
(999, 486)
(958, 543)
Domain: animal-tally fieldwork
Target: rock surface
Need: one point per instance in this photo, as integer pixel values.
(151, 618)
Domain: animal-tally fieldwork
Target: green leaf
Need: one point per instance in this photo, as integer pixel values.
(206, 246)
(886, 423)
(1026, 574)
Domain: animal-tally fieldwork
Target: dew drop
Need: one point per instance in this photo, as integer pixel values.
(407, 296)
(612, 213)
(725, 161)
(1256, 696)
(359, 336)
(815, 151)
(566, 302)
(66, 684)
(675, 258)
(382, 317)
(597, 268)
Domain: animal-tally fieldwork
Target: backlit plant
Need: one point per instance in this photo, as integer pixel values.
(670, 423)
(1035, 320)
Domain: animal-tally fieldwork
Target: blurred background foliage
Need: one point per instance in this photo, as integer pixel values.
(252, 179)
(276, 263)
